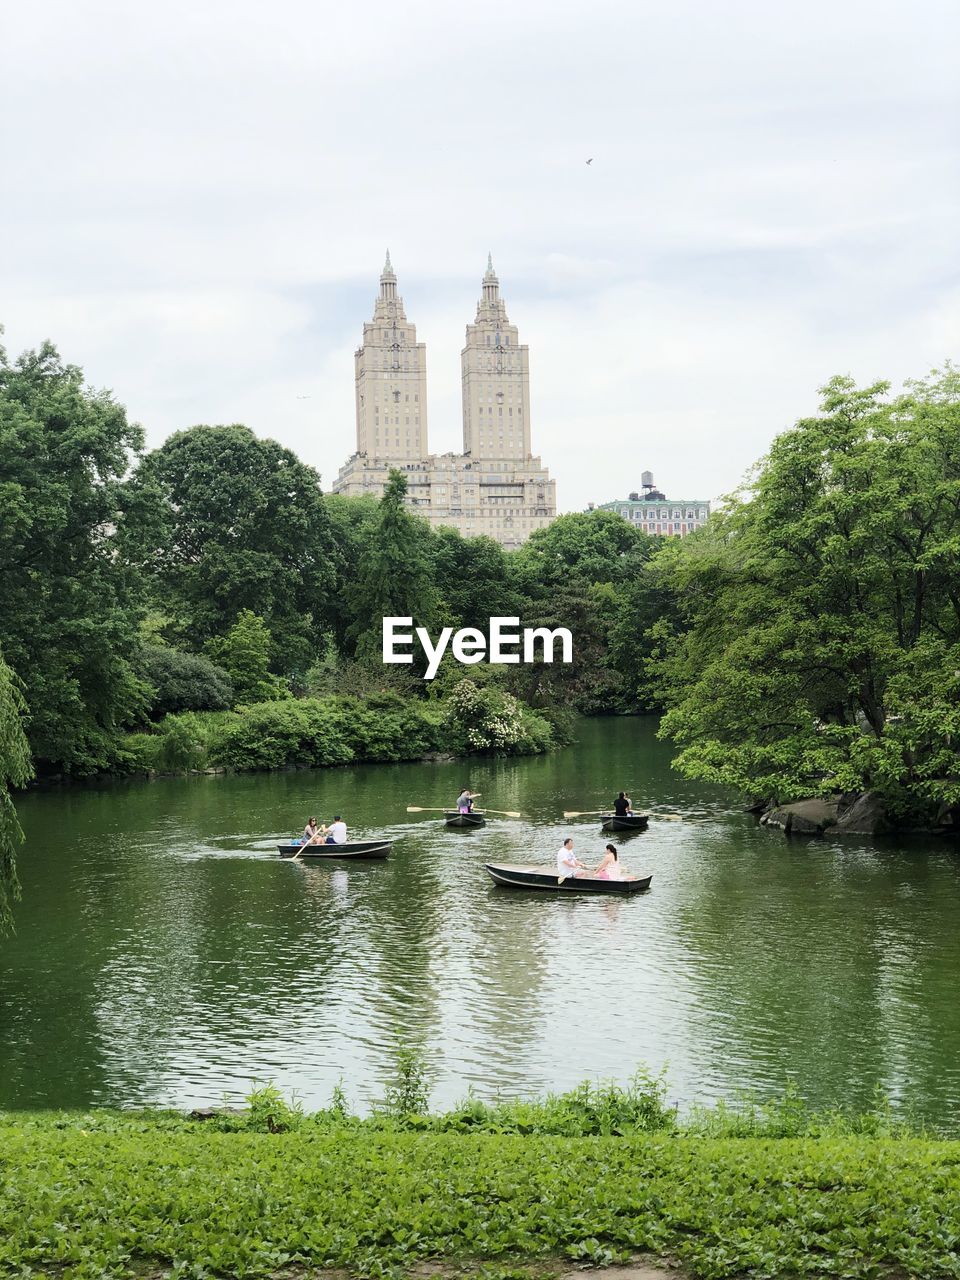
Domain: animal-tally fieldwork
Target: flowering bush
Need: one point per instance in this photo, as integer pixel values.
(493, 722)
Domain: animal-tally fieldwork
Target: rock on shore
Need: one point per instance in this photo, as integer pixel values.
(863, 814)
(802, 817)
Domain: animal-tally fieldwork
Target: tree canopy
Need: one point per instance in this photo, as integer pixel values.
(818, 642)
(15, 772)
(68, 626)
(394, 576)
(240, 525)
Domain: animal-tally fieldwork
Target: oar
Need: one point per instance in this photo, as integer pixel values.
(300, 848)
(605, 813)
(419, 808)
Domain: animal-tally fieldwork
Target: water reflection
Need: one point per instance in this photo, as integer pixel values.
(166, 955)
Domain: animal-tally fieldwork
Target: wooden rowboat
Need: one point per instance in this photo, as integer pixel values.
(476, 818)
(517, 877)
(351, 849)
(629, 822)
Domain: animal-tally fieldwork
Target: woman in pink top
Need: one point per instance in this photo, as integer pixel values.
(609, 868)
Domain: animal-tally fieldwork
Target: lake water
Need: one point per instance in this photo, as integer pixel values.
(165, 955)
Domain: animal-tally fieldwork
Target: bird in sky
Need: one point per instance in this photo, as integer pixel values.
(590, 161)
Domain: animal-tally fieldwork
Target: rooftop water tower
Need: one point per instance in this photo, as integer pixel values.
(649, 488)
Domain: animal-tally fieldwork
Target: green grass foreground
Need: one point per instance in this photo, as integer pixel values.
(110, 1195)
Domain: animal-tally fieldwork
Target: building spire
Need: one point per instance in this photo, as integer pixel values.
(388, 281)
(491, 285)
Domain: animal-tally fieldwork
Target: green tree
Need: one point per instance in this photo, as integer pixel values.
(819, 629)
(68, 626)
(580, 572)
(15, 771)
(472, 579)
(244, 654)
(352, 523)
(597, 546)
(243, 525)
(395, 573)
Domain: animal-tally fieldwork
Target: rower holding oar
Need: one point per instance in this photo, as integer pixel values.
(465, 800)
(465, 814)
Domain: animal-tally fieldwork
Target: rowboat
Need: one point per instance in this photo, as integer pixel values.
(351, 849)
(629, 822)
(517, 877)
(476, 818)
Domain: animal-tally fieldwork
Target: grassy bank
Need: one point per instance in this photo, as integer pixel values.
(111, 1194)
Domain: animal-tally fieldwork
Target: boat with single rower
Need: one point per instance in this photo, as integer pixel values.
(351, 849)
(525, 877)
(626, 822)
(475, 818)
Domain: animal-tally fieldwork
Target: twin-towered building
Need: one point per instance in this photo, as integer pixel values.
(496, 486)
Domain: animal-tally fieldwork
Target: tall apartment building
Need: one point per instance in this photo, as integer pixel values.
(390, 372)
(496, 486)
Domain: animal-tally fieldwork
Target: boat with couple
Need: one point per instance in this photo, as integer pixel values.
(609, 876)
(320, 841)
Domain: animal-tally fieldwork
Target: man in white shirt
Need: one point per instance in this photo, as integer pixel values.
(337, 831)
(567, 864)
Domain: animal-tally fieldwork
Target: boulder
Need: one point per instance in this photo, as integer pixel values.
(866, 816)
(802, 817)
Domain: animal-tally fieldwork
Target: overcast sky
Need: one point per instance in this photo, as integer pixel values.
(196, 200)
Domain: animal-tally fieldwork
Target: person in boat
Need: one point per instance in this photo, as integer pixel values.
(622, 807)
(465, 800)
(567, 864)
(310, 832)
(337, 831)
(609, 868)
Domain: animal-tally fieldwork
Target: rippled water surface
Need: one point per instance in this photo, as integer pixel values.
(166, 955)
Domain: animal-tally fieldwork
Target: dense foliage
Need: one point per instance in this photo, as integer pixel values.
(68, 626)
(238, 524)
(15, 770)
(183, 681)
(816, 642)
(501, 1191)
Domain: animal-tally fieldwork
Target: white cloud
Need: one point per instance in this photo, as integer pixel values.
(197, 200)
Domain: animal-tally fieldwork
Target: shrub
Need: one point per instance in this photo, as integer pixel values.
(182, 743)
(183, 681)
(269, 1112)
(385, 726)
(136, 753)
(490, 721)
(269, 735)
(589, 1109)
(408, 1093)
